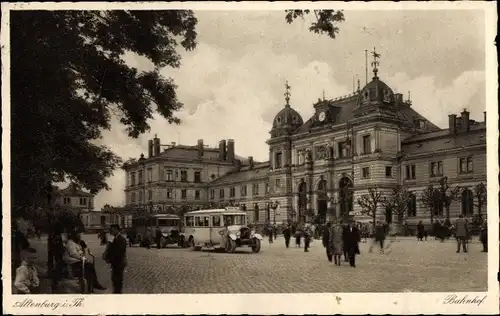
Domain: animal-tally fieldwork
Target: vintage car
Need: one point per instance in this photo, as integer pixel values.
(220, 228)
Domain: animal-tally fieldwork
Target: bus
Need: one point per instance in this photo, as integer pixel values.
(169, 224)
(220, 228)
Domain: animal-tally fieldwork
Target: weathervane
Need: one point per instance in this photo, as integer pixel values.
(375, 62)
(324, 95)
(287, 93)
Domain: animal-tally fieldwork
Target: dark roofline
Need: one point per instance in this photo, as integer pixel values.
(443, 133)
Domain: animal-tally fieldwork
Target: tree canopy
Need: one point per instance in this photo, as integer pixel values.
(398, 202)
(370, 203)
(68, 78)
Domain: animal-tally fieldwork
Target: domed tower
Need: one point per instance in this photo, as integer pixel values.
(280, 157)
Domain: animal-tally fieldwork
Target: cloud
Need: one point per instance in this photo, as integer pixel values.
(233, 90)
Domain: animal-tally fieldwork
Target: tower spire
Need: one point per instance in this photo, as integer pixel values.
(375, 63)
(287, 94)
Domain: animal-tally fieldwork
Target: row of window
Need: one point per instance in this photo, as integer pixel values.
(436, 168)
(169, 175)
(243, 190)
(467, 205)
(67, 201)
(170, 194)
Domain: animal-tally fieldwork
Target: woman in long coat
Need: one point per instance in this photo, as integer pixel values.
(336, 243)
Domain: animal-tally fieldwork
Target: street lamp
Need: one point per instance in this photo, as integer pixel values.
(274, 205)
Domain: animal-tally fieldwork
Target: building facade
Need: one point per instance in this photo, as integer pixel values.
(321, 166)
(74, 198)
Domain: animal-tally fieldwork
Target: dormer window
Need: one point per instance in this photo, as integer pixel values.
(278, 120)
(387, 96)
(295, 119)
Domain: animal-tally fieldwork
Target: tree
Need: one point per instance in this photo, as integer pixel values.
(370, 202)
(68, 78)
(481, 195)
(429, 201)
(447, 195)
(398, 202)
(326, 20)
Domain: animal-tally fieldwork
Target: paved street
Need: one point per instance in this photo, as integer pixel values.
(410, 266)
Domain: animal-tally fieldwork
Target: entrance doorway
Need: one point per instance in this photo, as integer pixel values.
(388, 215)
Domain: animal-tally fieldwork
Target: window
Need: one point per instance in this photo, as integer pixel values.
(212, 194)
(232, 192)
(267, 188)
(367, 144)
(255, 189)
(436, 168)
(221, 193)
(234, 220)
(132, 197)
(343, 149)
(467, 202)
(169, 193)
(197, 176)
(66, 200)
(132, 178)
(243, 190)
(301, 156)
(150, 175)
(465, 165)
(140, 197)
(150, 195)
(169, 175)
(256, 213)
(83, 201)
(198, 221)
(189, 221)
(320, 153)
(197, 194)
(216, 221)
(278, 183)
(410, 173)
(412, 205)
(141, 177)
(277, 161)
(184, 175)
(366, 172)
(183, 194)
(388, 172)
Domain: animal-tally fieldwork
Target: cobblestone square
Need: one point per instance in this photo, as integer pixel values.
(407, 266)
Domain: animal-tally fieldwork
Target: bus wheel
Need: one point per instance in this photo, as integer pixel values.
(230, 245)
(256, 245)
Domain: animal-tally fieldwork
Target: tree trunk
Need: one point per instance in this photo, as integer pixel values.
(447, 207)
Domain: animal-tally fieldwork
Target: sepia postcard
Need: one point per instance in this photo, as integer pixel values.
(250, 158)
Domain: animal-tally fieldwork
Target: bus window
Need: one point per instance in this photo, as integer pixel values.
(206, 221)
(234, 220)
(162, 222)
(216, 221)
(198, 222)
(189, 221)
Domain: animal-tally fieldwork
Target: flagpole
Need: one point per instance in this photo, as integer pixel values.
(366, 66)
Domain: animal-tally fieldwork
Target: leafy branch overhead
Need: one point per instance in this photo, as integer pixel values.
(326, 21)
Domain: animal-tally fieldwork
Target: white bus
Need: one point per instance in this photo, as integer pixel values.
(220, 228)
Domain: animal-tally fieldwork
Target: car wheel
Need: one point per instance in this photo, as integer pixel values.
(230, 245)
(256, 245)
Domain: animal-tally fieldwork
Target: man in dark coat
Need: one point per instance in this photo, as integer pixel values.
(345, 228)
(287, 233)
(158, 236)
(116, 256)
(326, 241)
(351, 243)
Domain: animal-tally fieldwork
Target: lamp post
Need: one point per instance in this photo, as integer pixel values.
(274, 205)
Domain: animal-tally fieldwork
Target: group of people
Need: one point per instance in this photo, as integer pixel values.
(299, 232)
(73, 254)
(341, 239)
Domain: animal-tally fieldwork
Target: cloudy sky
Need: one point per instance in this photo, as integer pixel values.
(232, 85)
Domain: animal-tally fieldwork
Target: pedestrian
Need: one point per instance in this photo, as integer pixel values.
(336, 243)
(484, 235)
(287, 234)
(461, 233)
(307, 238)
(158, 236)
(270, 233)
(326, 241)
(420, 231)
(27, 281)
(345, 228)
(149, 238)
(351, 243)
(116, 256)
(379, 237)
(298, 237)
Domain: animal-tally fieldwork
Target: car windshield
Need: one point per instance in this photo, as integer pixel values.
(234, 220)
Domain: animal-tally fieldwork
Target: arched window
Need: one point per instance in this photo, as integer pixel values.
(302, 203)
(467, 202)
(345, 196)
(412, 205)
(256, 213)
(321, 190)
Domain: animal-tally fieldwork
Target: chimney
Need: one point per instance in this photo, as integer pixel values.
(150, 148)
(484, 114)
(230, 150)
(222, 150)
(172, 144)
(452, 123)
(250, 162)
(156, 146)
(465, 120)
(200, 148)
